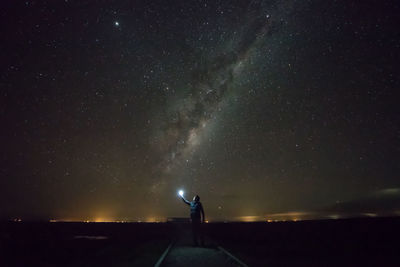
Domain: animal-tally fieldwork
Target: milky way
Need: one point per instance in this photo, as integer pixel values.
(212, 80)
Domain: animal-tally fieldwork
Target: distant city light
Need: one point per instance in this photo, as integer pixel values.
(250, 219)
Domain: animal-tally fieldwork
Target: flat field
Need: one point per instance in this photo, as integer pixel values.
(349, 242)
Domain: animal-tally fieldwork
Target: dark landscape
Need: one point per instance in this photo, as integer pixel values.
(347, 242)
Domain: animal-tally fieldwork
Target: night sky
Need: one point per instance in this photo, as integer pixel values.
(261, 107)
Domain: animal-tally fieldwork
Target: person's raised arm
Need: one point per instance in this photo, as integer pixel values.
(185, 201)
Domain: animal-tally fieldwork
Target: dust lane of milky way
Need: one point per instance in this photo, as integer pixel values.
(211, 82)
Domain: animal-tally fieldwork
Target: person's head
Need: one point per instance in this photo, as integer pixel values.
(196, 198)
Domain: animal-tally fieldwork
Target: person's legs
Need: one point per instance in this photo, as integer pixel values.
(200, 233)
(195, 229)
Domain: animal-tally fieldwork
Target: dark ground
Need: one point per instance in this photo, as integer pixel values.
(54, 244)
(353, 242)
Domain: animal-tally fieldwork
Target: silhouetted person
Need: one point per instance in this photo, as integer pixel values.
(197, 217)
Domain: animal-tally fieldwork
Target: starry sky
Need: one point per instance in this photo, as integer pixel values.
(261, 107)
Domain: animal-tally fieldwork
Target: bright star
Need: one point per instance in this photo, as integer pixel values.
(116, 23)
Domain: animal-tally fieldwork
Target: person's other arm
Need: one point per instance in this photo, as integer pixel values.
(202, 214)
(185, 201)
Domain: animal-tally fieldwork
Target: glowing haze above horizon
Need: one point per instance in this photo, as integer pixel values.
(259, 107)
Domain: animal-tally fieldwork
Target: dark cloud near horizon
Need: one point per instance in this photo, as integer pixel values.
(382, 202)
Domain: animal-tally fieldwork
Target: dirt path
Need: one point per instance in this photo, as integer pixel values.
(197, 256)
(183, 253)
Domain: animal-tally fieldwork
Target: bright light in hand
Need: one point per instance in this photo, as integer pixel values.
(181, 193)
